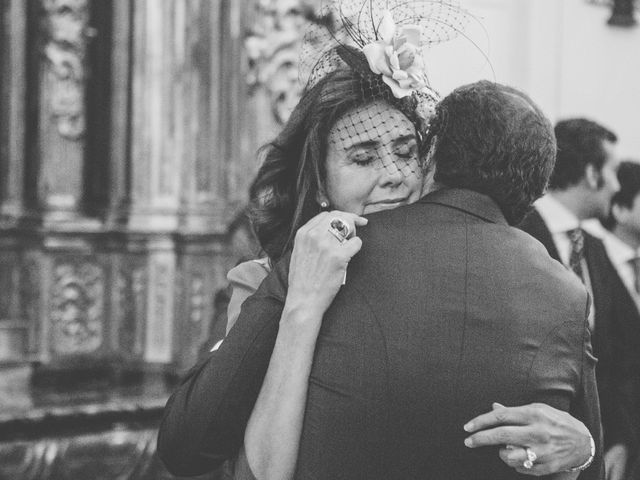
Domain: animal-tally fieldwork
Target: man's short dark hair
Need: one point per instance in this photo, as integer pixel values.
(494, 140)
(580, 143)
(629, 179)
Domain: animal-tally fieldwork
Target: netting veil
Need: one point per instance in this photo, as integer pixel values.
(384, 42)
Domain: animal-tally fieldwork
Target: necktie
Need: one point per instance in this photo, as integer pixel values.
(577, 251)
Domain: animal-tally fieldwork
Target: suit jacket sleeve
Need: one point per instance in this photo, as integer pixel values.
(568, 349)
(205, 419)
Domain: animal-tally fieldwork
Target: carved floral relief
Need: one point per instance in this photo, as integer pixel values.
(67, 35)
(272, 45)
(77, 308)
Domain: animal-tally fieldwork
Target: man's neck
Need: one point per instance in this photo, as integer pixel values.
(628, 236)
(574, 201)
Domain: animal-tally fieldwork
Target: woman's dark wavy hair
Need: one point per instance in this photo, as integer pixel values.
(494, 140)
(579, 144)
(283, 195)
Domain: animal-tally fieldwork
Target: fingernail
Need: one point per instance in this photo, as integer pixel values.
(468, 427)
(497, 405)
(468, 442)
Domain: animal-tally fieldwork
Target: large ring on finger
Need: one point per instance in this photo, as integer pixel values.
(339, 229)
(531, 458)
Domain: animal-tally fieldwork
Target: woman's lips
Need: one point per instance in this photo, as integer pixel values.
(390, 201)
(386, 204)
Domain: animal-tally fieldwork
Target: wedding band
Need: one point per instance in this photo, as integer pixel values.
(339, 229)
(531, 458)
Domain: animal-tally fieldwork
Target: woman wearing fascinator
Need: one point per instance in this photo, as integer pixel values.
(354, 145)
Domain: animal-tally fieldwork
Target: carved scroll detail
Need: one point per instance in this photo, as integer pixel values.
(67, 35)
(272, 47)
(77, 308)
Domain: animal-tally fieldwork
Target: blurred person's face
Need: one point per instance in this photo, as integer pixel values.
(608, 183)
(372, 160)
(629, 218)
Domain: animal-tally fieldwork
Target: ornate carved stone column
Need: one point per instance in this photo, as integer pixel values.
(65, 35)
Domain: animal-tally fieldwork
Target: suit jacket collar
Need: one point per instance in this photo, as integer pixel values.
(468, 201)
(534, 225)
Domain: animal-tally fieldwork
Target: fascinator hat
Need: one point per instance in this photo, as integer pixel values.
(384, 42)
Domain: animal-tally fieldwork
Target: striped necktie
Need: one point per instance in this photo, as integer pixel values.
(577, 251)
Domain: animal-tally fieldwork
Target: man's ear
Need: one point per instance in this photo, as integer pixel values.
(620, 213)
(593, 177)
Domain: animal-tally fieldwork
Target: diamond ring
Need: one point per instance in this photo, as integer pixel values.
(531, 458)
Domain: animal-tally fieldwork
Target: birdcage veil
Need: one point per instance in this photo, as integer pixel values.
(384, 42)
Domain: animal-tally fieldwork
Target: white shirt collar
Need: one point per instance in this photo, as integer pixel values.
(619, 251)
(557, 217)
(595, 228)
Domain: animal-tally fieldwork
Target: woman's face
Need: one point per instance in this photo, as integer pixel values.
(372, 160)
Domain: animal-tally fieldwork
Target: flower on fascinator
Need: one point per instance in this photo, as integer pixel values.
(397, 56)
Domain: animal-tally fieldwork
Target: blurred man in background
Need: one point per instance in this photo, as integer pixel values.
(582, 186)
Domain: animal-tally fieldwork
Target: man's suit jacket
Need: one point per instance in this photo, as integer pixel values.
(615, 336)
(445, 310)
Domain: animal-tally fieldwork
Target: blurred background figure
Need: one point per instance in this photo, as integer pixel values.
(622, 241)
(624, 223)
(582, 185)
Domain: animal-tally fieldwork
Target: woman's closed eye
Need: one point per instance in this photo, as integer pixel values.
(363, 159)
(407, 151)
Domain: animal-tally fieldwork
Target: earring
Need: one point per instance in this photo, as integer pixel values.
(324, 205)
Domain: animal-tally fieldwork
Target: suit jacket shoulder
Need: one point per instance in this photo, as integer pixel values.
(534, 225)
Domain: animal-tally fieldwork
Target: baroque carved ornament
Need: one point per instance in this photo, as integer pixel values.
(77, 311)
(272, 45)
(67, 35)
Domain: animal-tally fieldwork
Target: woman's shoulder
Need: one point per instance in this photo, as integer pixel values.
(244, 278)
(250, 273)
